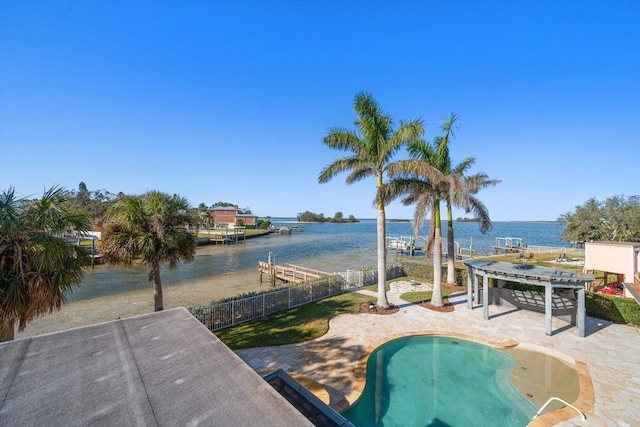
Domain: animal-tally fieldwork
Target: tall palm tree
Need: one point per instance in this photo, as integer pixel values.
(421, 182)
(372, 147)
(149, 227)
(37, 266)
(461, 190)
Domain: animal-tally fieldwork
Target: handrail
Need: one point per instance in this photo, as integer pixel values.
(582, 415)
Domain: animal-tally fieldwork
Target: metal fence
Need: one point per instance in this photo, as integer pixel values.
(222, 315)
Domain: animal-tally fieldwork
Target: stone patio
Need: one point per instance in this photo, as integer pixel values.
(332, 366)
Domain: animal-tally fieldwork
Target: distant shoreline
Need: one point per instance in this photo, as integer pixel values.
(294, 219)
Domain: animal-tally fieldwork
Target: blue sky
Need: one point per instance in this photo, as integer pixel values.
(230, 100)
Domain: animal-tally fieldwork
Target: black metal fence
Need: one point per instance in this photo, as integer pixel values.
(224, 314)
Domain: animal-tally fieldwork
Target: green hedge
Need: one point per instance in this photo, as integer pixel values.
(423, 270)
(614, 309)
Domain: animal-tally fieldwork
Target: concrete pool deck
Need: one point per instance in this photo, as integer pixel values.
(331, 366)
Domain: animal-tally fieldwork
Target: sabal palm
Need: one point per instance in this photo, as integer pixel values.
(149, 227)
(372, 147)
(37, 266)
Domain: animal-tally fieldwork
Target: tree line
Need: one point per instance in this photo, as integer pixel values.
(616, 219)
(314, 217)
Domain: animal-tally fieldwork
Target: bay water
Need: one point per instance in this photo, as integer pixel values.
(229, 270)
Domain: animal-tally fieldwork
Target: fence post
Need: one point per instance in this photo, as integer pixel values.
(264, 306)
(289, 297)
(233, 312)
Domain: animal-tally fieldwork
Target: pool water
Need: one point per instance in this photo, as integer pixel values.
(439, 381)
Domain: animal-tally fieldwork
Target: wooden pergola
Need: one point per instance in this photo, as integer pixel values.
(551, 278)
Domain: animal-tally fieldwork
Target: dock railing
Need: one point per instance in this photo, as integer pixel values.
(219, 315)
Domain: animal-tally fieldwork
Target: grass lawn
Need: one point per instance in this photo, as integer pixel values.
(424, 296)
(298, 324)
(306, 322)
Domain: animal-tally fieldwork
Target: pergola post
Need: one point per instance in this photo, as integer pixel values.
(485, 296)
(476, 295)
(548, 295)
(581, 312)
(469, 284)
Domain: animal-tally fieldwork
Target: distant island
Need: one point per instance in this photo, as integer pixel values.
(314, 217)
(467, 220)
(399, 220)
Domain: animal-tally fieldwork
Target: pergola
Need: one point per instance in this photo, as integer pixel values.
(550, 278)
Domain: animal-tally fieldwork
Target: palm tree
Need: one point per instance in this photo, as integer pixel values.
(460, 192)
(421, 182)
(38, 267)
(150, 227)
(428, 178)
(372, 146)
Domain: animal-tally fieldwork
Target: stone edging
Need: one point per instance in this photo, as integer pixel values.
(584, 402)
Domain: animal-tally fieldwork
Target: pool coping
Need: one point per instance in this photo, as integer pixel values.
(584, 402)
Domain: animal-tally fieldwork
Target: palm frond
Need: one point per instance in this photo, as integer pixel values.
(338, 166)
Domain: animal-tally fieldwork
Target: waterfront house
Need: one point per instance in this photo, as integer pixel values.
(228, 216)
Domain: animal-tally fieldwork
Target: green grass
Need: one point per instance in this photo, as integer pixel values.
(291, 326)
(424, 296)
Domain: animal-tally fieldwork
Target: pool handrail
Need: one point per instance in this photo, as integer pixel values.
(583, 417)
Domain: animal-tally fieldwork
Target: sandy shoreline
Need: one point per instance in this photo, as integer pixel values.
(132, 303)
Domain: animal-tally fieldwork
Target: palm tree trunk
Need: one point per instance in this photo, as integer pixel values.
(436, 297)
(451, 256)
(7, 330)
(157, 287)
(382, 259)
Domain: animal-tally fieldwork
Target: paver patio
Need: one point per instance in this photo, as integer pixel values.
(331, 367)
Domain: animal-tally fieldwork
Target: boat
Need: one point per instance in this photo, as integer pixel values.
(399, 245)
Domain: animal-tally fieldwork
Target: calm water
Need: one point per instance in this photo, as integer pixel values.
(439, 381)
(233, 269)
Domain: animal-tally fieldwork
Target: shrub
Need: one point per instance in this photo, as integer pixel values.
(424, 271)
(614, 309)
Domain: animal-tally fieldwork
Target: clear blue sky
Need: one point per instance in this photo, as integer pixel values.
(230, 100)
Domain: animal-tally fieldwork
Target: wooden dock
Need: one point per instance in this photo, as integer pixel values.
(288, 272)
(509, 245)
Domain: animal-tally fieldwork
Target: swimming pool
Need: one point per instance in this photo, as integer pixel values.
(439, 381)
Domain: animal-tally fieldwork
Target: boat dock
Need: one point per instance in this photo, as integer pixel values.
(510, 244)
(226, 236)
(403, 244)
(285, 229)
(288, 272)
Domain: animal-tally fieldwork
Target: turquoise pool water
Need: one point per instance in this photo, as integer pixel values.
(439, 381)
